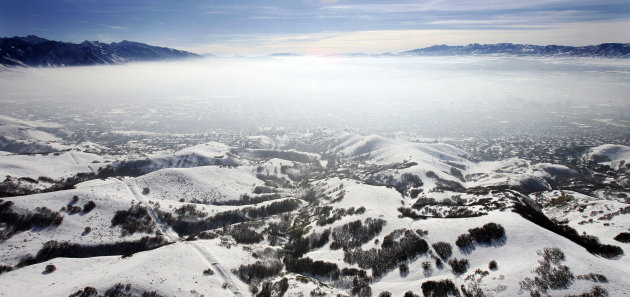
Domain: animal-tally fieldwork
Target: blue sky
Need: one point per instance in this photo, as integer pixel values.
(324, 26)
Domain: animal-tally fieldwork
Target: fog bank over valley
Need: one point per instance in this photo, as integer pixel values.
(427, 96)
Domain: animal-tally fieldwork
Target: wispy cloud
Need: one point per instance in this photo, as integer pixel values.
(379, 41)
(101, 25)
(463, 5)
(535, 19)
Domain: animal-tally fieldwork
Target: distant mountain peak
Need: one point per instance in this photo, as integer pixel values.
(32, 50)
(32, 39)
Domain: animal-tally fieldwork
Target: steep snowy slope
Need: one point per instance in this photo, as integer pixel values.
(54, 165)
(211, 153)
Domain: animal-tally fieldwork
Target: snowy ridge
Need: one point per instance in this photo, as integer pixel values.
(615, 156)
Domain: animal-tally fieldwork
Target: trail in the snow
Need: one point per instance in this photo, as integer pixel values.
(202, 251)
(212, 261)
(76, 162)
(166, 229)
(74, 159)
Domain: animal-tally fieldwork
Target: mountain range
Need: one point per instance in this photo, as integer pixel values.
(608, 50)
(35, 51)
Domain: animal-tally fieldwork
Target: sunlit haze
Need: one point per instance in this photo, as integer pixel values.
(425, 95)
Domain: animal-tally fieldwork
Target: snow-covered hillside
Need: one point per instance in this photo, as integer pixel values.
(351, 215)
(615, 156)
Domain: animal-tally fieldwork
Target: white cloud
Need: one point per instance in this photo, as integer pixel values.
(101, 25)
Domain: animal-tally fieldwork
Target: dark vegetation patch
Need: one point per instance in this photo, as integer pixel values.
(464, 241)
(50, 268)
(426, 266)
(445, 184)
(453, 207)
(589, 242)
(425, 201)
(53, 249)
(265, 190)
(189, 211)
(458, 174)
(443, 249)
(493, 265)
(458, 266)
(274, 208)
(135, 219)
(410, 213)
(327, 214)
(623, 237)
(407, 182)
(462, 212)
(596, 291)
(561, 200)
(274, 181)
(403, 269)
(254, 273)
(398, 249)
(355, 234)
(273, 289)
(207, 235)
(187, 227)
(609, 216)
(595, 277)
(488, 234)
(192, 221)
(245, 235)
(265, 154)
(443, 288)
(11, 187)
(85, 292)
(135, 168)
(306, 265)
(12, 222)
(550, 273)
(118, 290)
(317, 240)
(472, 284)
(410, 294)
(73, 209)
(89, 206)
(353, 272)
(5, 268)
(361, 288)
(407, 185)
(247, 199)
(300, 245)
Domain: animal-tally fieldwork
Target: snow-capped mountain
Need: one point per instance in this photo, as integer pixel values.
(608, 50)
(35, 51)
